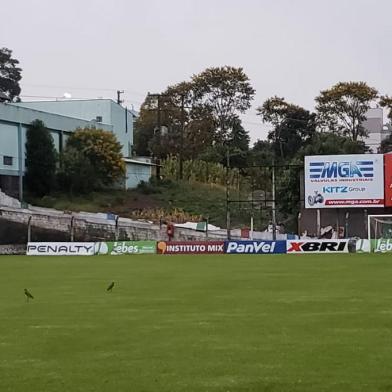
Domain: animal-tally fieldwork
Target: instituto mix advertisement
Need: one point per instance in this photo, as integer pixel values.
(342, 181)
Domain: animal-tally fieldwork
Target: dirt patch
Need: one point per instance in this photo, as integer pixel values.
(135, 203)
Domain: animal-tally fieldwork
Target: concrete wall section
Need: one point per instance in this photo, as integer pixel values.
(52, 225)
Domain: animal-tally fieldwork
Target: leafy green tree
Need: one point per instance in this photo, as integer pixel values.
(77, 173)
(262, 153)
(238, 144)
(10, 75)
(144, 130)
(331, 144)
(342, 108)
(226, 92)
(199, 128)
(41, 159)
(196, 117)
(98, 155)
(293, 126)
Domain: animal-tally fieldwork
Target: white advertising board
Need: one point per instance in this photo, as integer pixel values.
(320, 246)
(60, 249)
(342, 181)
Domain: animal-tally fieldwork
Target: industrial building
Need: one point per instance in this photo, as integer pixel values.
(62, 117)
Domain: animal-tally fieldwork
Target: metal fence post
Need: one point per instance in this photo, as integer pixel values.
(116, 229)
(72, 228)
(29, 229)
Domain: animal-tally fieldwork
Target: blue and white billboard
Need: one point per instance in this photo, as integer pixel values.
(255, 247)
(341, 181)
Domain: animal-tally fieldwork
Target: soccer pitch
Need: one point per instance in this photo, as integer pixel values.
(196, 323)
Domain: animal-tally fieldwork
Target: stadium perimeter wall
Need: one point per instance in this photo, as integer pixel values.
(52, 225)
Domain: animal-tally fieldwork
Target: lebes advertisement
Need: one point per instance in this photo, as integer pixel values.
(341, 181)
(125, 247)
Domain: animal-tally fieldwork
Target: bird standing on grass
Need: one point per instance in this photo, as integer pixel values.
(28, 295)
(110, 288)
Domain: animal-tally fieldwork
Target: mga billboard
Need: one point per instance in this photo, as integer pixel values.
(341, 181)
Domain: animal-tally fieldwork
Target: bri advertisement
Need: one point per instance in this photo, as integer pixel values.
(341, 181)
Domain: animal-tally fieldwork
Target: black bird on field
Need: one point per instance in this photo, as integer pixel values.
(28, 295)
(110, 288)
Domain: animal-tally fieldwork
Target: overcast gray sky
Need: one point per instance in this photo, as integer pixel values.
(291, 48)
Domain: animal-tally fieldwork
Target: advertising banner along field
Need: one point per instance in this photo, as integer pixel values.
(255, 247)
(60, 249)
(321, 246)
(195, 247)
(125, 247)
(341, 181)
(381, 245)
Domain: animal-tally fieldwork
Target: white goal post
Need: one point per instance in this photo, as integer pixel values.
(379, 227)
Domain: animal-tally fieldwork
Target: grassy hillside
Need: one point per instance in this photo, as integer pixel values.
(177, 201)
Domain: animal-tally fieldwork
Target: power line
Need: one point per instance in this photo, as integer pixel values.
(73, 98)
(127, 90)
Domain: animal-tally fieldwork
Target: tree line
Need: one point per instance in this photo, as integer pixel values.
(91, 160)
(200, 119)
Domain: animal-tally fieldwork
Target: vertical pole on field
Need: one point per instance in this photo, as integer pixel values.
(207, 222)
(116, 229)
(29, 229)
(227, 192)
(367, 222)
(299, 224)
(318, 222)
(337, 222)
(346, 224)
(72, 229)
(251, 226)
(273, 203)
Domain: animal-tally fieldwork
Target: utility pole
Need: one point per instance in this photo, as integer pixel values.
(119, 92)
(182, 136)
(157, 129)
(158, 109)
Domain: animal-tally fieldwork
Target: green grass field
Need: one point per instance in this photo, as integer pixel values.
(196, 323)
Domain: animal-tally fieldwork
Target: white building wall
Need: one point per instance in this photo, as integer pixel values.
(136, 173)
(374, 126)
(111, 114)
